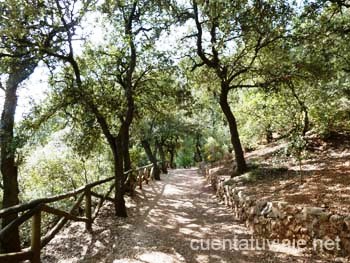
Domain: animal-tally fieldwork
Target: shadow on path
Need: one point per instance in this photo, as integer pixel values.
(165, 218)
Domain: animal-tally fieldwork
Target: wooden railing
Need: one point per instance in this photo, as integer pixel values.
(34, 209)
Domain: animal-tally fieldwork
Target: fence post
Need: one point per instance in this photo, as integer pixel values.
(146, 174)
(88, 209)
(140, 179)
(152, 173)
(35, 239)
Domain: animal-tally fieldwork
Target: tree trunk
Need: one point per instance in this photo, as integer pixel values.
(8, 166)
(126, 153)
(151, 158)
(269, 135)
(198, 155)
(306, 120)
(120, 208)
(162, 158)
(241, 165)
(171, 151)
(303, 108)
(129, 184)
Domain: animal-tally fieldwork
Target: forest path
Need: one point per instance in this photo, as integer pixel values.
(163, 219)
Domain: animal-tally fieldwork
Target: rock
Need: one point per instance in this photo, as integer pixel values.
(281, 219)
(346, 245)
(340, 260)
(213, 170)
(274, 226)
(289, 234)
(267, 209)
(296, 228)
(290, 219)
(257, 229)
(299, 218)
(229, 182)
(324, 217)
(304, 230)
(262, 220)
(315, 211)
(276, 213)
(241, 195)
(315, 223)
(256, 220)
(336, 221)
(252, 211)
(347, 222)
(290, 209)
(281, 205)
(260, 205)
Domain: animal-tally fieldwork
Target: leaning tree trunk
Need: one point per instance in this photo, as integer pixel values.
(9, 169)
(119, 202)
(241, 165)
(21, 70)
(152, 158)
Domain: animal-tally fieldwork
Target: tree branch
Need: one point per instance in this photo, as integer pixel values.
(200, 50)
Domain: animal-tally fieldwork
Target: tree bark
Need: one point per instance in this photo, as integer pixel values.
(129, 184)
(241, 165)
(222, 71)
(268, 133)
(198, 155)
(152, 158)
(120, 208)
(19, 72)
(162, 158)
(303, 108)
(126, 153)
(9, 169)
(171, 150)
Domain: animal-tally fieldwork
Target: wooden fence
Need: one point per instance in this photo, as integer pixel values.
(34, 209)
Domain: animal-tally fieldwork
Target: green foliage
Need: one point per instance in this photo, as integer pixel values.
(260, 113)
(287, 71)
(296, 146)
(185, 155)
(138, 156)
(55, 168)
(214, 150)
(330, 108)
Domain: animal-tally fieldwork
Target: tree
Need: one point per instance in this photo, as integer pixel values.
(21, 25)
(19, 64)
(104, 89)
(19, 70)
(237, 31)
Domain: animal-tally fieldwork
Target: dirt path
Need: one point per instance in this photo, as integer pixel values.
(165, 218)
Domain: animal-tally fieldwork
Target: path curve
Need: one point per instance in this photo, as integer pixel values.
(165, 218)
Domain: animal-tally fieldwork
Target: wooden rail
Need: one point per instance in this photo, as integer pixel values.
(34, 209)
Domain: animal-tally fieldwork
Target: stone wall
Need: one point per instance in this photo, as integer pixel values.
(280, 220)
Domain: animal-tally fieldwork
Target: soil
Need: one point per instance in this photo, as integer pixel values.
(164, 217)
(322, 180)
